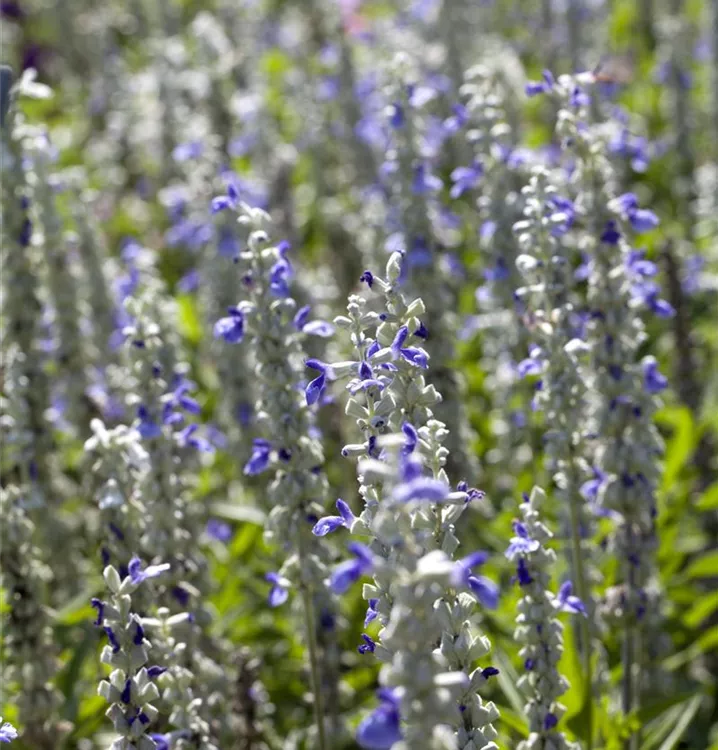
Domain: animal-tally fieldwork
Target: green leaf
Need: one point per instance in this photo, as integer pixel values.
(705, 566)
(703, 608)
(681, 445)
(241, 513)
(507, 680)
(188, 319)
(513, 720)
(709, 499)
(683, 723)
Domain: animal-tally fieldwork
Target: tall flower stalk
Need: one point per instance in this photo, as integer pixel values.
(388, 394)
(627, 447)
(538, 629)
(287, 448)
(555, 326)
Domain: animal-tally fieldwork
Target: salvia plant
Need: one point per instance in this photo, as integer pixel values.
(357, 385)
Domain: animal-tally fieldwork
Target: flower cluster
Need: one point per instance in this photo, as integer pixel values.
(289, 449)
(388, 394)
(130, 689)
(538, 630)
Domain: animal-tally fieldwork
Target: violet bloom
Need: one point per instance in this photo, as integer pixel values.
(367, 278)
(8, 733)
(99, 605)
(380, 730)
(368, 647)
(412, 439)
(567, 602)
(425, 182)
(415, 486)
(534, 88)
(641, 219)
(147, 427)
(521, 543)
(219, 530)
(590, 488)
(312, 327)
(187, 437)
(550, 721)
(280, 275)
(465, 178)
(411, 354)
(231, 328)
(138, 575)
(162, 741)
(653, 380)
(179, 399)
(315, 388)
(371, 613)
(350, 571)
(486, 591)
(259, 460)
(522, 573)
(231, 200)
(279, 593)
(328, 524)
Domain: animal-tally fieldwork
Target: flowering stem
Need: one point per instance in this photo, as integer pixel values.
(309, 622)
(629, 661)
(583, 594)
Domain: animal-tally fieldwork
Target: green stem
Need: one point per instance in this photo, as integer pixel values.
(308, 605)
(583, 593)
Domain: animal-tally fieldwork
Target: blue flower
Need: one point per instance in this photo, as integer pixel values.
(8, 733)
(314, 327)
(521, 543)
(412, 438)
(350, 571)
(465, 178)
(534, 88)
(371, 613)
(279, 593)
(162, 741)
(231, 328)
(218, 530)
(380, 730)
(425, 182)
(486, 591)
(315, 388)
(187, 151)
(368, 647)
(279, 276)
(187, 437)
(99, 605)
(550, 721)
(569, 603)
(112, 638)
(413, 355)
(259, 460)
(147, 427)
(611, 235)
(653, 380)
(231, 200)
(579, 98)
(522, 573)
(642, 220)
(368, 278)
(154, 672)
(178, 399)
(415, 486)
(138, 575)
(529, 366)
(590, 488)
(328, 524)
